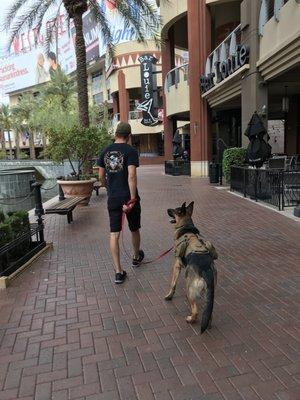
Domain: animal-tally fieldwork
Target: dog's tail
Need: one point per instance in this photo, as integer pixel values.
(209, 299)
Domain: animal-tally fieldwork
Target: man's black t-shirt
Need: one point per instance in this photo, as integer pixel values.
(115, 159)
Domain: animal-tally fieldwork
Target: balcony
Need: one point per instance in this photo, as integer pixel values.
(176, 90)
(279, 36)
(135, 118)
(221, 80)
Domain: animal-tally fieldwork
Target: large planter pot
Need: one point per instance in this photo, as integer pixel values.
(78, 188)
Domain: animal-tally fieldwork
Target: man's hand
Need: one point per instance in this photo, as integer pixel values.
(129, 206)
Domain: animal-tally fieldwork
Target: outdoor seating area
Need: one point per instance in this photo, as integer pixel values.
(278, 187)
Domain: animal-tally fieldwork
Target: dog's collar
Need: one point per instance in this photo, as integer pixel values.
(182, 230)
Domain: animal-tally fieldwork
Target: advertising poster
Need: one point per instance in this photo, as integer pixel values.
(28, 64)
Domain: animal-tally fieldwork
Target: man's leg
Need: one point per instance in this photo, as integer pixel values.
(136, 242)
(115, 250)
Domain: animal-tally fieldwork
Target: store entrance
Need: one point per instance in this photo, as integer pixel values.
(226, 131)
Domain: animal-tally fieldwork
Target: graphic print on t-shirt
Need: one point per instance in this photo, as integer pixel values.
(114, 161)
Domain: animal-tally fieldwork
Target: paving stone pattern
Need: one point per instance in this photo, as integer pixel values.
(67, 332)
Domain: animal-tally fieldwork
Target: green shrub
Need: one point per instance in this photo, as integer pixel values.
(2, 216)
(19, 223)
(23, 155)
(233, 156)
(5, 233)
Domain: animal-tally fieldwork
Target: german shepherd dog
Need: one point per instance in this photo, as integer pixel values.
(197, 257)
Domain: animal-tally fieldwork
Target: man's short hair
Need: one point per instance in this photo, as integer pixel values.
(52, 56)
(123, 130)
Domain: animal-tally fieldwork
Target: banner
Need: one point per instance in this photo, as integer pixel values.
(149, 90)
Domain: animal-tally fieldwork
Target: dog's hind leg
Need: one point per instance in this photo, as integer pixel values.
(194, 287)
(194, 311)
(175, 275)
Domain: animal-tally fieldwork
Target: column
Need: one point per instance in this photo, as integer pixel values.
(115, 103)
(123, 97)
(168, 61)
(254, 90)
(199, 40)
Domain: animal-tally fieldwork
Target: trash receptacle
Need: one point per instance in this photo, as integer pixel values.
(214, 172)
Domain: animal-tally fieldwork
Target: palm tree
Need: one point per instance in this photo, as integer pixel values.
(61, 87)
(28, 14)
(5, 124)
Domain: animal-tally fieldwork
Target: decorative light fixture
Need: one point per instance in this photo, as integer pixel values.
(285, 102)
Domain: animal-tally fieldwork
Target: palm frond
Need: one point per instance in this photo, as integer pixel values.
(12, 11)
(28, 20)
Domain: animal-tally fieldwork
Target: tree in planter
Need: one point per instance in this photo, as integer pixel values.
(6, 124)
(77, 143)
(25, 14)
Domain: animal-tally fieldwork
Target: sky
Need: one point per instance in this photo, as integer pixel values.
(4, 5)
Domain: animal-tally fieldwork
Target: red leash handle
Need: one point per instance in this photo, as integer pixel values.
(124, 248)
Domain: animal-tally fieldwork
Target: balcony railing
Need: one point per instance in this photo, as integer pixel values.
(225, 50)
(131, 115)
(268, 10)
(176, 75)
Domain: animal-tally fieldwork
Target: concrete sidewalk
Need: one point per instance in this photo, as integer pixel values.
(67, 332)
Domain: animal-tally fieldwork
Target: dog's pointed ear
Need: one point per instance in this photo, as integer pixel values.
(190, 209)
(183, 207)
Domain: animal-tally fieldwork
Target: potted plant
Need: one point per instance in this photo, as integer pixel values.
(78, 145)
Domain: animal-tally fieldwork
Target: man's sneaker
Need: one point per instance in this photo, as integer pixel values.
(137, 261)
(120, 277)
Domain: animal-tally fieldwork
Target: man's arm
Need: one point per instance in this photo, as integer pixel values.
(102, 176)
(132, 181)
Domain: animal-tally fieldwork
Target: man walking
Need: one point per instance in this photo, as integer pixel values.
(118, 163)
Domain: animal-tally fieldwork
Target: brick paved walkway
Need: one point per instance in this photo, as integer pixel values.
(67, 332)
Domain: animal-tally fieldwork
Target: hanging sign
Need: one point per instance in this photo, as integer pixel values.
(149, 90)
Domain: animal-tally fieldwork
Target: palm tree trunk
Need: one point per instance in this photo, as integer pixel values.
(3, 147)
(31, 146)
(10, 146)
(80, 51)
(17, 144)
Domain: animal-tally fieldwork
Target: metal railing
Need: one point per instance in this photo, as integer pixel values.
(268, 10)
(176, 75)
(136, 114)
(276, 187)
(177, 167)
(132, 115)
(226, 49)
(19, 250)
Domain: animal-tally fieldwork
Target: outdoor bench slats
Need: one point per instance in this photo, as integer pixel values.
(65, 207)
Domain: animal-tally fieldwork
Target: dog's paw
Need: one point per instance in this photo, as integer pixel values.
(190, 319)
(169, 296)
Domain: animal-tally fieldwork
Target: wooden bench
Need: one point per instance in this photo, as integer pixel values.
(97, 186)
(65, 207)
